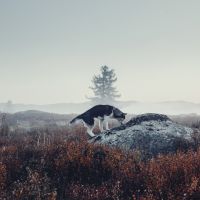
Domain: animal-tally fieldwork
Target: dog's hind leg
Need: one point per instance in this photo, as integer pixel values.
(90, 126)
(89, 131)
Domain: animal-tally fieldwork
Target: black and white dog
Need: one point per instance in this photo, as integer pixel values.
(101, 112)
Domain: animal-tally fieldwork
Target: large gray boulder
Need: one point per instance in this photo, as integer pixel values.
(150, 133)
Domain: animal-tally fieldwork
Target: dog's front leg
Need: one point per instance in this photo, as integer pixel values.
(101, 125)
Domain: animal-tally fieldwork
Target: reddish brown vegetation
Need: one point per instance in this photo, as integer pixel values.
(67, 167)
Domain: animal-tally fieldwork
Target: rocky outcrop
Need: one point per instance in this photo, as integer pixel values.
(151, 134)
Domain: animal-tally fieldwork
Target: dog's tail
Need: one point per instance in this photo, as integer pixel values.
(74, 120)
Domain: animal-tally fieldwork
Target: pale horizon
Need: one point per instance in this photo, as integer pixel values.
(50, 50)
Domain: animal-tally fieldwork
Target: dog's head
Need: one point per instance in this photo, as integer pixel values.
(119, 115)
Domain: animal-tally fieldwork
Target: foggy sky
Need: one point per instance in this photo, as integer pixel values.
(50, 50)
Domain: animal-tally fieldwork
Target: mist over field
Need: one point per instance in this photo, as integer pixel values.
(131, 107)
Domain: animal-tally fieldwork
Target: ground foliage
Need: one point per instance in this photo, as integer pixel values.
(60, 164)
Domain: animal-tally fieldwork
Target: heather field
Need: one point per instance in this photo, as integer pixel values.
(59, 163)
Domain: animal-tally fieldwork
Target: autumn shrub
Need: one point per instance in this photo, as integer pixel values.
(61, 164)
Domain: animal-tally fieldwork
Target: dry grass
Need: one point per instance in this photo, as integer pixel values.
(62, 165)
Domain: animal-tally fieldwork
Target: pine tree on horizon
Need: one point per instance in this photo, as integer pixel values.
(103, 88)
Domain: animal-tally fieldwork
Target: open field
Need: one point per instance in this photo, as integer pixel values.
(59, 163)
